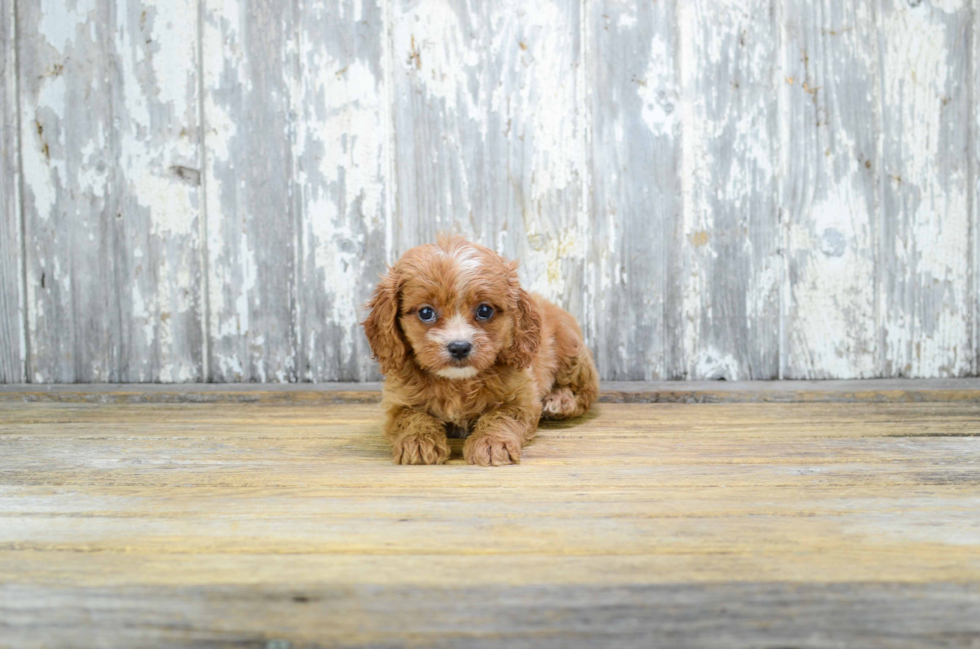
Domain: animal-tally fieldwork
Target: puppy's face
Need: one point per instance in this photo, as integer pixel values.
(456, 308)
(455, 311)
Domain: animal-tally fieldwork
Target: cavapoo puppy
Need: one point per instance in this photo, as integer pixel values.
(465, 349)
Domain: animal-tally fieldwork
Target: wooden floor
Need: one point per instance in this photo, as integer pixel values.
(281, 523)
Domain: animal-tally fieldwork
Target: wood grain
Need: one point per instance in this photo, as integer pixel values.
(723, 303)
(340, 153)
(12, 339)
(830, 178)
(746, 614)
(202, 524)
(111, 192)
(636, 197)
(863, 391)
(925, 239)
(157, 247)
(715, 190)
(249, 62)
(67, 165)
(490, 138)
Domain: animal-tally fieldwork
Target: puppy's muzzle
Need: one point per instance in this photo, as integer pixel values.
(459, 349)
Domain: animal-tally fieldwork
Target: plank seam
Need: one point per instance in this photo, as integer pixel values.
(782, 111)
(878, 117)
(878, 218)
(388, 116)
(115, 183)
(973, 186)
(25, 339)
(586, 213)
(673, 334)
(675, 218)
(775, 146)
(205, 285)
(294, 67)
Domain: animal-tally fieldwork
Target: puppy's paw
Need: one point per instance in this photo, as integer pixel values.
(560, 404)
(487, 449)
(421, 448)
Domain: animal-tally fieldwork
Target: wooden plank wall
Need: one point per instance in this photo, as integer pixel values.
(206, 190)
(12, 340)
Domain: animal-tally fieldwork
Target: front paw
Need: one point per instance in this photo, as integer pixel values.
(421, 448)
(489, 449)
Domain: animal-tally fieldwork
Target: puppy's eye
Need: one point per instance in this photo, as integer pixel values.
(484, 312)
(427, 314)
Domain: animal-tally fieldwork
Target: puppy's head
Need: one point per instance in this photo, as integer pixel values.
(454, 307)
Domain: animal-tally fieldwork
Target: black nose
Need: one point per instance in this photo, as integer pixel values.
(459, 349)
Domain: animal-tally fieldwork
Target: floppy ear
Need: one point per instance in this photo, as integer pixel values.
(381, 326)
(527, 333)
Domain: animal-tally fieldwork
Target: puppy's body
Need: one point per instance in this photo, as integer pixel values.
(447, 365)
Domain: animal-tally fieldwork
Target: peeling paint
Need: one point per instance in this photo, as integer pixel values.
(61, 22)
(926, 243)
(706, 204)
(830, 195)
(729, 287)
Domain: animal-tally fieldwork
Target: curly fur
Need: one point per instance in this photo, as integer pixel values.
(528, 360)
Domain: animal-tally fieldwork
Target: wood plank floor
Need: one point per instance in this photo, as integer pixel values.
(283, 524)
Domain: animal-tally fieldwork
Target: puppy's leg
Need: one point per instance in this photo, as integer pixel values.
(500, 434)
(576, 388)
(416, 437)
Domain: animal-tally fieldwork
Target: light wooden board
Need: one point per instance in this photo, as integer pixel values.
(830, 179)
(68, 168)
(636, 186)
(926, 226)
(12, 339)
(112, 201)
(341, 183)
(249, 59)
(537, 616)
(490, 134)
(723, 304)
(223, 523)
(297, 144)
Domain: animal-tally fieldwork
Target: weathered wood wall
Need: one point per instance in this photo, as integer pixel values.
(206, 190)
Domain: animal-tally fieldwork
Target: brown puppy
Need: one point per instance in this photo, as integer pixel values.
(463, 347)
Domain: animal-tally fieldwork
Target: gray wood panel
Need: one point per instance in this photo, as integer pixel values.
(723, 299)
(830, 176)
(12, 340)
(925, 238)
(341, 189)
(714, 189)
(68, 168)
(880, 391)
(490, 135)
(109, 145)
(636, 185)
(439, 113)
(249, 61)
(157, 246)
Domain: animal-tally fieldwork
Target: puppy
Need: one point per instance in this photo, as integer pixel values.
(465, 349)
